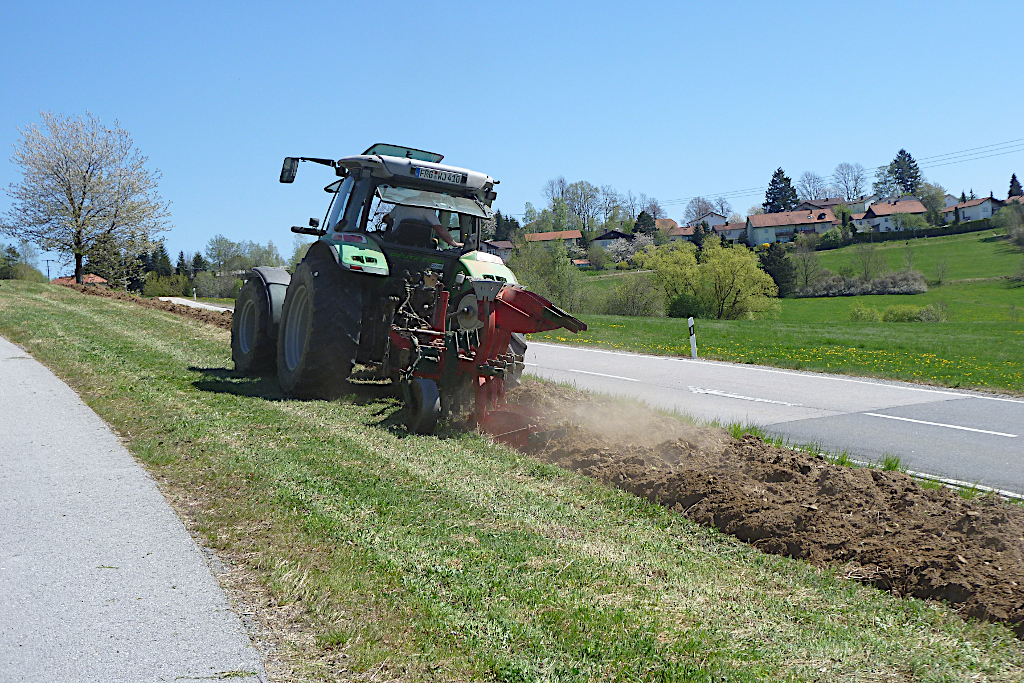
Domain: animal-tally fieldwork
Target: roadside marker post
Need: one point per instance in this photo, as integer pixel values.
(693, 340)
(194, 295)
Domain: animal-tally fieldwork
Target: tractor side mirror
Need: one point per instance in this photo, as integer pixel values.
(314, 222)
(291, 165)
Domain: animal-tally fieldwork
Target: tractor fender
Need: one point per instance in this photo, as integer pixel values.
(275, 280)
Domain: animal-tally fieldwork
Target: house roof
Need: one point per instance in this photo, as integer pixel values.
(1018, 198)
(826, 203)
(581, 262)
(857, 216)
(972, 202)
(88, 279)
(681, 231)
(499, 244)
(548, 236)
(901, 206)
(730, 226)
(665, 224)
(805, 217)
(696, 221)
(613, 235)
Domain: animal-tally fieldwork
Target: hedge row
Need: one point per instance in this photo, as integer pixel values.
(951, 229)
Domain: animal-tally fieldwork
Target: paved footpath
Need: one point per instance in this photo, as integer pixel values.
(99, 580)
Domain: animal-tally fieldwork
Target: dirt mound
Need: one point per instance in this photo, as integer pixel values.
(880, 527)
(218, 318)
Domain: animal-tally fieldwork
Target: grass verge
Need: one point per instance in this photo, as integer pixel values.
(452, 558)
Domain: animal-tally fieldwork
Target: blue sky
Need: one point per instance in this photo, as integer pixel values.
(670, 99)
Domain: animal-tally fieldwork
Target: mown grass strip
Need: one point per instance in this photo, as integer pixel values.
(452, 558)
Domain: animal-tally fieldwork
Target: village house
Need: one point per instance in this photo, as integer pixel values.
(500, 248)
(683, 233)
(730, 232)
(607, 238)
(784, 226)
(972, 210)
(880, 216)
(711, 218)
(570, 238)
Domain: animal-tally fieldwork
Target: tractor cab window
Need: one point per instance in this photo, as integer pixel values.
(457, 215)
(342, 190)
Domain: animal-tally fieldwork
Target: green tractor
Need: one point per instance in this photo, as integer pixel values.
(396, 281)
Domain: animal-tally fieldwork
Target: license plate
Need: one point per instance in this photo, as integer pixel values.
(442, 176)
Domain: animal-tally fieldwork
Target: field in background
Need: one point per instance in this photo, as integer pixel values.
(981, 346)
(447, 558)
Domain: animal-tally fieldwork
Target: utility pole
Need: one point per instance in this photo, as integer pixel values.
(48, 261)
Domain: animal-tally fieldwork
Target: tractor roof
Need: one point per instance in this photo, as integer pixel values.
(387, 166)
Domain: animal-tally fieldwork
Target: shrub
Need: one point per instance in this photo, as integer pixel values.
(210, 286)
(933, 313)
(859, 313)
(831, 239)
(904, 282)
(686, 305)
(901, 313)
(636, 295)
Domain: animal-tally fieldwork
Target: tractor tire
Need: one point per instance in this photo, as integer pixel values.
(319, 330)
(253, 348)
(422, 406)
(517, 345)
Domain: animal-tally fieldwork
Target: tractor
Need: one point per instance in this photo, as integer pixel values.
(396, 281)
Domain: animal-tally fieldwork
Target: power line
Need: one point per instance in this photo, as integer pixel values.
(934, 161)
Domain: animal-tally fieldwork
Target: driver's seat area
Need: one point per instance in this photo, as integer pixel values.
(412, 233)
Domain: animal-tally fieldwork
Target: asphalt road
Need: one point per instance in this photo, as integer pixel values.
(99, 580)
(967, 436)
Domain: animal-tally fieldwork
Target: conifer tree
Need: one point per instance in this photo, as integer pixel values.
(182, 265)
(161, 261)
(906, 173)
(963, 196)
(1015, 189)
(781, 195)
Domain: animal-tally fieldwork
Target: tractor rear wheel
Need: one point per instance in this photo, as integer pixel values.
(253, 348)
(319, 330)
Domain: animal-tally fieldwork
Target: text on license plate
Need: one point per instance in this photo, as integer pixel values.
(443, 176)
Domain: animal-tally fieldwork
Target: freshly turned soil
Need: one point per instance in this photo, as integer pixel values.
(218, 318)
(878, 527)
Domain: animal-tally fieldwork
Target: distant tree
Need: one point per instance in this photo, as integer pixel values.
(200, 264)
(933, 196)
(885, 184)
(869, 261)
(221, 252)
(811, 186)
(909, 222)
(701, 232)
(504, 226)
(108, 259)
(850, 179)
(806, 262)
(775, 261)
(160, 261)
(598, 256)
(755, 210)
(722, 206)
(963, 196)
(181, 267)
(781, 196)
(972, 195)
(1015, 189)
(905, 172)
(653, 208)
(645, 223)
(735, 217)
(584, 201)
(80, 181)
(696, 208)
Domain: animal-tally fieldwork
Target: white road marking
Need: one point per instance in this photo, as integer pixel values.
(940, 424)
(586, 372)
(715, 392)
(813, 375)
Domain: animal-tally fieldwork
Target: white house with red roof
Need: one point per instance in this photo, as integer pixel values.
(571, 238)
(972, 210)
(712, 218)
(784, 226)
(730, 232)
(880, 216)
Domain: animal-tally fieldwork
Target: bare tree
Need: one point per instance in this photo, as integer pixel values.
(722, 205)
(869, 261)
(755, 210)
(806, 262)
(851, 180)
(610, 201)
(555, 189)
(82, 182)
(811, 186)
(697, 207)
(633, 204)
(653, 208)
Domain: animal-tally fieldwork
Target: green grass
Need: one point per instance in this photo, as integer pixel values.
(452, 558)
(971, 255)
